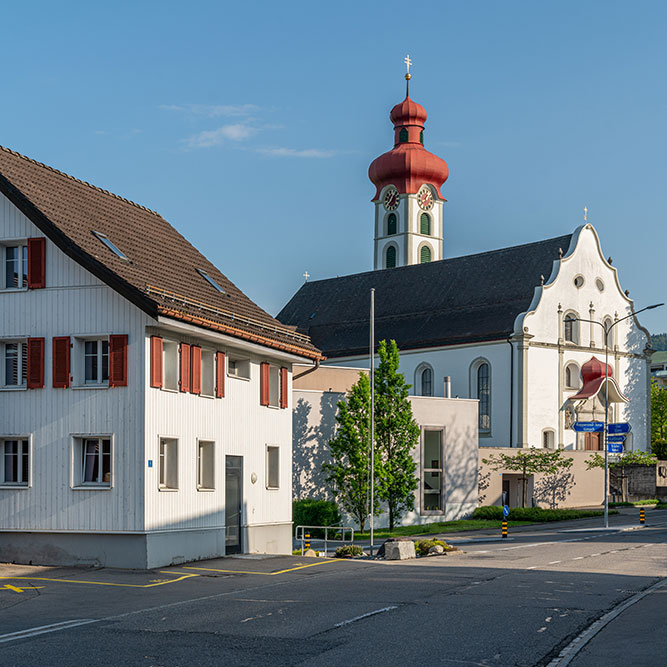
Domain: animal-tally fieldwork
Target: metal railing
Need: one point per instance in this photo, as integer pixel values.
(302, 531)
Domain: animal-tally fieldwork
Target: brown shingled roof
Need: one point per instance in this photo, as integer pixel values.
(161, 275)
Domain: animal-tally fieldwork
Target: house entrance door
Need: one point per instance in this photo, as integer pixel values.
(592, 441)
(233, 501)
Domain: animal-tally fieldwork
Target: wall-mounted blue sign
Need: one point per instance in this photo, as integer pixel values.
(621, 427)
(588, 427)
(615, 448)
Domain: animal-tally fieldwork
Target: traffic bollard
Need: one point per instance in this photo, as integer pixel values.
(642, 516)
(307, 543)
(504, 528)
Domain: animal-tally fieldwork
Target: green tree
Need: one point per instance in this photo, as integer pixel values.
(617, 466)
(659, 341)
(349, 469)
(658, 412)
(396, 435)
(529, 461)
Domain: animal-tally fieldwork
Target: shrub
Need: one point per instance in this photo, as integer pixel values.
(349, 550)
(495, 512)
(422, 546)
(659, 449)
(310, 512)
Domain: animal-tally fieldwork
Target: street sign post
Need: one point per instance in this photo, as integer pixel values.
(615, 447)
(616, 438)
(620, 427)
(588, 427)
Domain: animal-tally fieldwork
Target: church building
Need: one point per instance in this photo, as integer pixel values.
(520, 329)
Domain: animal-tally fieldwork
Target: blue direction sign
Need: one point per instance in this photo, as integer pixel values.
(621, 427)
(506, 510)
(616, 438)
(588, 427)
(615, 448)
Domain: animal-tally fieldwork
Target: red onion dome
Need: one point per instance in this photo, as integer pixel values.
(594, 370)
(408, 165)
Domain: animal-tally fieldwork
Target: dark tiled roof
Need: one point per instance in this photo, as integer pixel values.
(161, 276)
(462, 300)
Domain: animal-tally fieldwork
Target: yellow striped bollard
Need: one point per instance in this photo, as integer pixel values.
(504, 528)
(642, 516)
(307, 542)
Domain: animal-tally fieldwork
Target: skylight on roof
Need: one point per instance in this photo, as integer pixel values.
(107, 242)
(210, 280)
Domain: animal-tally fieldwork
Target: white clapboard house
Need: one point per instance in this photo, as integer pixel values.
(145, 413)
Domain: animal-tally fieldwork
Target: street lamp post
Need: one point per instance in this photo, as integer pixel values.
(605, 437)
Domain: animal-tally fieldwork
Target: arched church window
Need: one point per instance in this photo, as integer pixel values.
(403, 136)
(484, 396)
(548, 439)
(571, 376)
(425, 223)
(571, 328)
(607, 324)
(391, 224)
(390, 257)
(424, 255)
(427, 381)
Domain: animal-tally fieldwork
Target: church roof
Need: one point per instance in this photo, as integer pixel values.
(466, 299)
(162, 273)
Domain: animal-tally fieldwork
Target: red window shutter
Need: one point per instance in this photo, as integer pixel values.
(264, 379)
(37, 263)
(118, 360)
(35, 370)
(61, 362)
(185, 367)
(156, 362)
(195, 385)
(283, 388)
(220, 374)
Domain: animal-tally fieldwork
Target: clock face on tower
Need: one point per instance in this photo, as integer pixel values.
(391, 199)
(425, 199)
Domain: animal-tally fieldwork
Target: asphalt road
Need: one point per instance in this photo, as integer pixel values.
(522, 601)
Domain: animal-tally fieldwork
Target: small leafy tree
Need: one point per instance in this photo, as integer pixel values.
(397, 435)
(529, 461)
(618, 464)
(350, 449)
(658, 412)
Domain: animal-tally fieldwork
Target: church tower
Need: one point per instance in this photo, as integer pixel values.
(408, 202)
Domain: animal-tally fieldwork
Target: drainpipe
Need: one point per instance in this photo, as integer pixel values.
(310, 370)
(509, 340)
(448, 386)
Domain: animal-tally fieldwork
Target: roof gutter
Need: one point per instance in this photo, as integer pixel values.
(306, 372)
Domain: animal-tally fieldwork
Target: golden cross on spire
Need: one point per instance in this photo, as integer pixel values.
(408, 76)
(407, 62)
(585, 213)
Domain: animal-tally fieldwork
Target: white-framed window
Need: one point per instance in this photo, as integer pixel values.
(238, 367)
(14, 363)
(433, 468)
(205, 465)
(424, 380)
(607, 322)
(15, 261)
(92, 461)
(272, 467)
(168, 468)
(572, 375)
(480, 385)
(170, 368)
(14, 461)
(548, 438)
(571, 328)
(91, 361)
(274, 386)
(207, 372)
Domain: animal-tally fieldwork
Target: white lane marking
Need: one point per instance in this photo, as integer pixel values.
(579, 558)
(553, 562)
(370, 613)
(43, 629)
(532, 567)
(592, 555)
(543, 628)
(568, 654)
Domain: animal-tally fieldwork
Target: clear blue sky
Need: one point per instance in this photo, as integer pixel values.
(250, 126)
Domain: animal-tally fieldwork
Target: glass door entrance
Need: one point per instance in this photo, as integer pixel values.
(233, 500)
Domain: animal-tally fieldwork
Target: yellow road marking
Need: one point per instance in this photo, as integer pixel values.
(104, 583)
(20, 590)
(266, 574)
